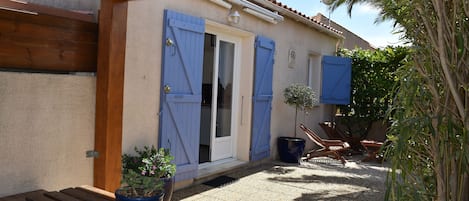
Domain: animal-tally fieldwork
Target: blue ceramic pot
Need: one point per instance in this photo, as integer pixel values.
(168, 188)
(120, 197)
(290, 149)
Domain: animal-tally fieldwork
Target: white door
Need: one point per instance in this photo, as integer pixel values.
(224, 90)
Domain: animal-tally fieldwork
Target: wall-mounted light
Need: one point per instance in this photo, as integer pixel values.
(233, 17)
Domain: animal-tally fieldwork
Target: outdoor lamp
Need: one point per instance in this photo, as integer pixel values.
(233, 17)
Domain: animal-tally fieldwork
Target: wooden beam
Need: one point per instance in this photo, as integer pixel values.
(109, 94)
(45, 42)
(35, 9)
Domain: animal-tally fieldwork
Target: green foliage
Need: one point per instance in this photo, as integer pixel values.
(430, 153)
(141, 174)
(410, 134)
(428, 145)
(300, 96)
(373, 80)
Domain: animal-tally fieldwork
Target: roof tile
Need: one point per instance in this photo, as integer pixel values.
(280, 4)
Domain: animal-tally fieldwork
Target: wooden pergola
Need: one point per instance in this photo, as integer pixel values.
(82, 47)
(109, 93)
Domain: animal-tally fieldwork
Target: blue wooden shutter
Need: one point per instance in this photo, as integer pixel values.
(181, 86)
(262, 98)
(336, 80)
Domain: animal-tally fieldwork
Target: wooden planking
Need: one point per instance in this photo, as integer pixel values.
(38, 197)
(25, 29)
(109, 94)
(69, 194)
(100, 195)
(81, 194)
(22, 196)
(60, 196)
(45, 42)
(262, 98)
(106, 194)
(180, 108)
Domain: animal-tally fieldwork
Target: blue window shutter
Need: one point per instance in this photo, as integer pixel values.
(336, 80)
(262, 98)
(181, 86)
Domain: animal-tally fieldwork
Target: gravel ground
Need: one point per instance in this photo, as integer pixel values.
(318, 179)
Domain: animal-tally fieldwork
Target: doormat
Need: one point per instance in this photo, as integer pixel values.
(220, 181)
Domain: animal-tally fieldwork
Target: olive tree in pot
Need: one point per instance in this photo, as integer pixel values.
(303, 98)
(147, 176)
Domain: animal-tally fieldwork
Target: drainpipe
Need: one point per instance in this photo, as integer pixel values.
(338, 44)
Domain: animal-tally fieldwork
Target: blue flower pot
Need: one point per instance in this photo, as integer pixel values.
(168, 188)
(120, 197)
(290, 149)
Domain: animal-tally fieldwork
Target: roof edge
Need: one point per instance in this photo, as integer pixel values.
(287, 11)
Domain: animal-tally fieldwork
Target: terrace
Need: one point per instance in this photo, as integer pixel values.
(317, 179)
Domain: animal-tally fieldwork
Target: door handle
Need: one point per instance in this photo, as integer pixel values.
(169, 42)
(167, 89)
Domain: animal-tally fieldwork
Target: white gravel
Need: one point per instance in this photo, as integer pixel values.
(320, 179)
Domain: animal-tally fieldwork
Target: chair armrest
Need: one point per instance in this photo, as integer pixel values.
(370, 143)
(334, 142)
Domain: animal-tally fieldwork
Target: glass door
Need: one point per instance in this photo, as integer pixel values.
(222, 144)
(217, 134)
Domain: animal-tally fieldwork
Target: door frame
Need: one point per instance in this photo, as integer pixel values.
(245, 95)
(225, 35)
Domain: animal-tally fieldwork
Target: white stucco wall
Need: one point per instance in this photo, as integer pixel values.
(143, 68)
(46, 126)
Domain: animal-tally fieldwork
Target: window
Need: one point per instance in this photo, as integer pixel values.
(314, 73)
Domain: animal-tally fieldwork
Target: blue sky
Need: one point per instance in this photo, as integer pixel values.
(361, 23)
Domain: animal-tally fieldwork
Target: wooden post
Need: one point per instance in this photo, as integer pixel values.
(109, 93)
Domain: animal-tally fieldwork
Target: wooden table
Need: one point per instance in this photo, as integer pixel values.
(69, 194)
(372, 147)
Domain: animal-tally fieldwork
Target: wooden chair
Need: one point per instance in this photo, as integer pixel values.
(332, 132)
(329, 148)
(336, 134)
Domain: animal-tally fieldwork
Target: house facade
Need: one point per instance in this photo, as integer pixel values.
(238, 71)
(204, 78)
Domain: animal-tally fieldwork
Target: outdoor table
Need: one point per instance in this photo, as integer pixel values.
(69, 194)
(372, 147)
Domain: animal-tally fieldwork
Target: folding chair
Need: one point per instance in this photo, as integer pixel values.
(329, 148)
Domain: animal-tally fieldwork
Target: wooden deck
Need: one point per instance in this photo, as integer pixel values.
(69, 194)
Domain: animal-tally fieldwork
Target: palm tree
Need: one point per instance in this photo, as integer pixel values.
(430, 113)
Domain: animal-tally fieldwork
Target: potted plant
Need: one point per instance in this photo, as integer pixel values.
(146, 175)
(303, 98)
